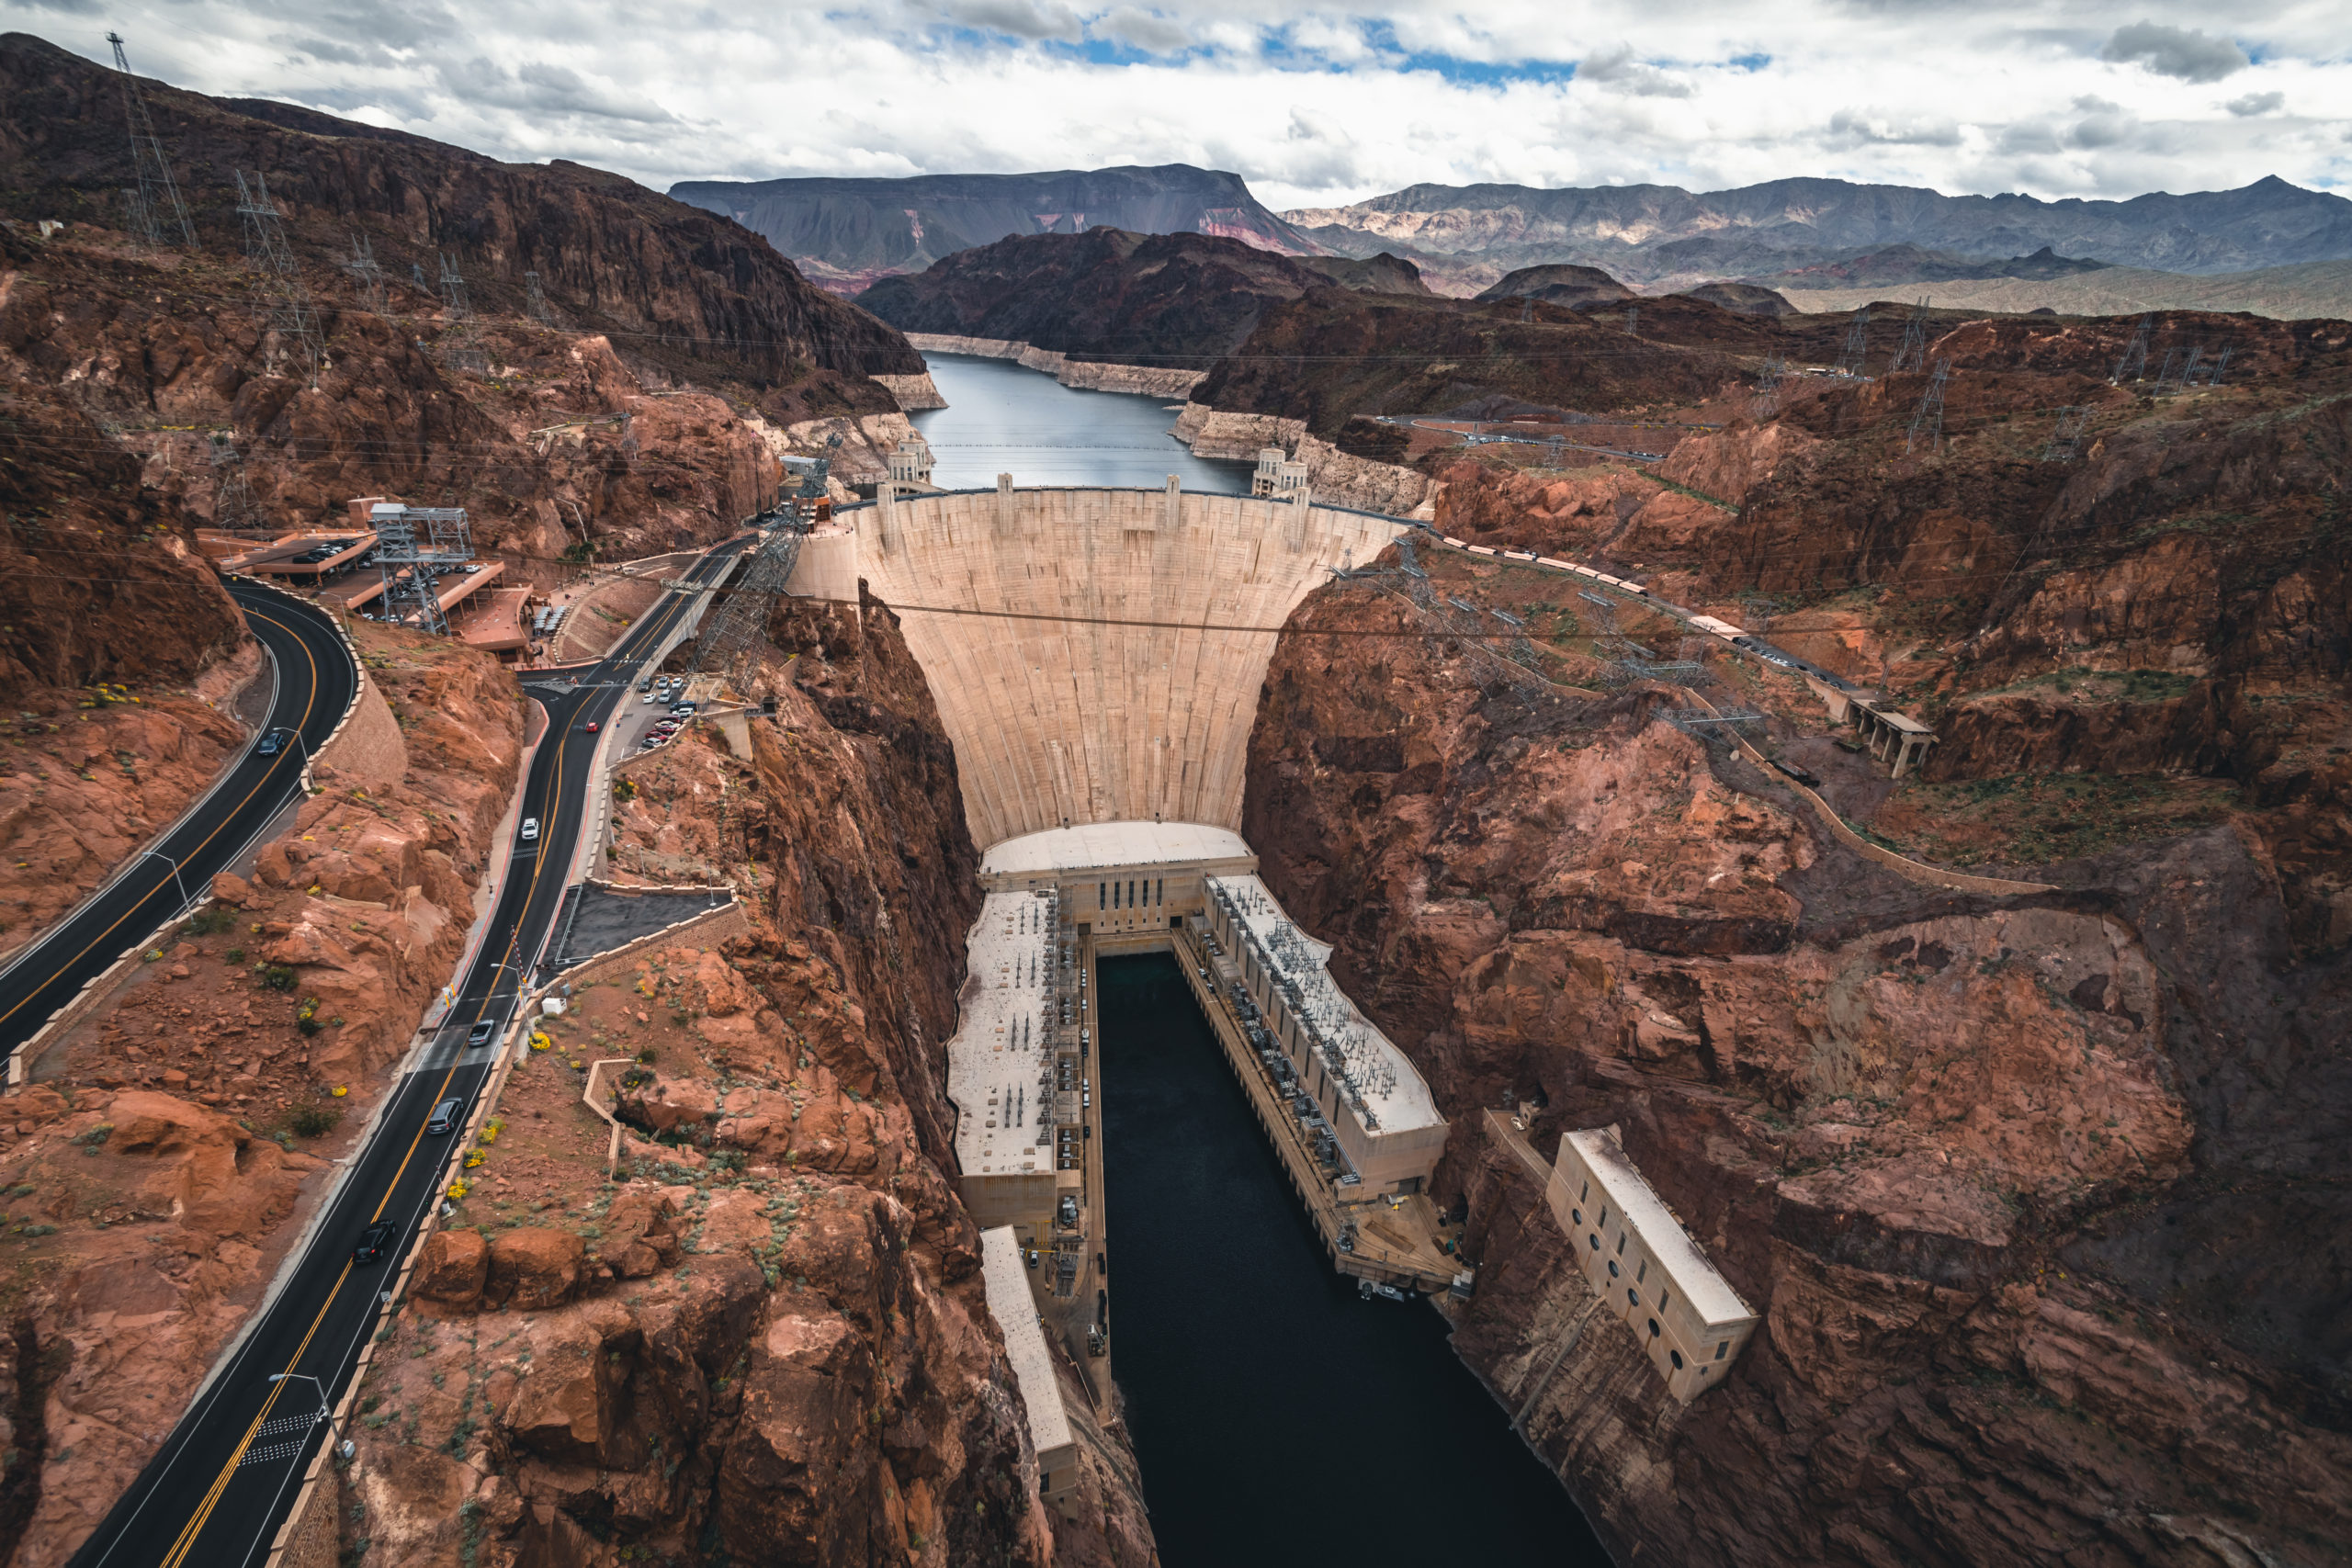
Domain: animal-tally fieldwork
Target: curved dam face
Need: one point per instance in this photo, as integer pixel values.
(1130, 695)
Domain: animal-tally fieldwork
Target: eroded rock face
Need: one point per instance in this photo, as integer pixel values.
(770, 1340)
(1964, 1156)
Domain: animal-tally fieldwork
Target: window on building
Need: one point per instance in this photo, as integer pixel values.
(1596, 1242)
(1101, 895)
(1621, 1245)
(1159, 896)
(1131, 894)
(1644, 1271)
(1665, 1299)
(1586, 1193)
(1653, 1328)
(1612, 1270)
(1576, 1216)
(1633, 1297)
(1675, 1357)
(1604, 1215)
(1722, 1345)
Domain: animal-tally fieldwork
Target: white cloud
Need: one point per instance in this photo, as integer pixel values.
(1314, 105)
(2185, 52)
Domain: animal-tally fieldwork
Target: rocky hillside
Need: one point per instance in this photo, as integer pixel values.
(848, 232)
(764, 1338)
(2021, 1184)
(1179, 300)
(625, 412)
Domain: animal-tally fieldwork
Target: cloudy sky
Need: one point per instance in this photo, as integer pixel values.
(1315, 106)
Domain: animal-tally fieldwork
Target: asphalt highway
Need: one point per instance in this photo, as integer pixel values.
(315, 683)
(217, 1490)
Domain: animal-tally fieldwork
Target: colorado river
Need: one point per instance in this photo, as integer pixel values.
(1281, 1419)
(1002, 419)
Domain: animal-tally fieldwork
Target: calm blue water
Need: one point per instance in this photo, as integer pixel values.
(1002, 419)
(1280, 1418)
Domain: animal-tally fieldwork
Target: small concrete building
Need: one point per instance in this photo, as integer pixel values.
(910, 465)
(1641, 1261)
(1383, 1118)
(1897, 740)
(1277, 478)
(1015, 1311)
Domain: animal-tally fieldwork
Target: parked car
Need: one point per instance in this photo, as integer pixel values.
(444, 1120)
(530, 829)
(376, 1241)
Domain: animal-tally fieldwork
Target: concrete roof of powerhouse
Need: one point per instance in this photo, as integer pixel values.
(1709, 1293)
(1405, 1104)
(1113, 843)
(1015, 1311)
(1008, 957)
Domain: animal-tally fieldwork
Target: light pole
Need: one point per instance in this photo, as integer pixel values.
(326, 1411)
(175, 873)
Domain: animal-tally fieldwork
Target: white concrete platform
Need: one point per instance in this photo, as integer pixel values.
(1122, 844)
(1003, 1045)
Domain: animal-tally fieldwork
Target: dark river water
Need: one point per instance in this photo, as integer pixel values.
(1280, 1418)
(1002, 419)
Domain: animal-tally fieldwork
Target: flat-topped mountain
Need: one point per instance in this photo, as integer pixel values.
(847, 232)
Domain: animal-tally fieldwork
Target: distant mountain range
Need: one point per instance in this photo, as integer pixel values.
(1807, 237)
(1665, 237)
(847, 232)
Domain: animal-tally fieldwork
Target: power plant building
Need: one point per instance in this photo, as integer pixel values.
(1644, 1266)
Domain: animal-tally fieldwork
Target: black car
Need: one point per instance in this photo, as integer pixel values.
(481, 1033)
(445, 1118)
(376, 1241)
(271, 743)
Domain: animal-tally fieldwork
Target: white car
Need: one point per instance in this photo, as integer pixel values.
(530, 829)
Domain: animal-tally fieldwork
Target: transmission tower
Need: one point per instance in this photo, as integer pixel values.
(1768, 387)
(368, 275)
(460, 348)
(416, 276)
(538, 302)
(1929, 420)
(266, 247)
(2068, 436)
(1913, 355)
(2134, 362)
(412, 567)
(740, 624)
(233, 496)
(154, 201)
(1857, 350)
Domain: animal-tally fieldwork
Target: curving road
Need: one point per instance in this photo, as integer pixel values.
(316, 682)
(217, 1490)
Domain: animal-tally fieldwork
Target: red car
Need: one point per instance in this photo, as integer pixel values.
(591, 726)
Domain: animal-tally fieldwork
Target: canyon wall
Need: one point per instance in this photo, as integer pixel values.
(2010, 1179)
(1096, 654)
(769, 1339)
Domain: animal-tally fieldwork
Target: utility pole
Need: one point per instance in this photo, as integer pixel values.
(1929, 420)
(1913, 355)
(266, 246)
(154, 201)
(1857, 350)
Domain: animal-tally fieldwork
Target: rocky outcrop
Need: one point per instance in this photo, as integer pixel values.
(1964, 1155)
(771, 1339)
(1334, 477)
(1085, 375)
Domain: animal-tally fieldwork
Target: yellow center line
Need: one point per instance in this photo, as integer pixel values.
(186, 1542)
(231, 816)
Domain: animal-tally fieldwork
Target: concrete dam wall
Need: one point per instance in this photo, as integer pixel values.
(1083, 714)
